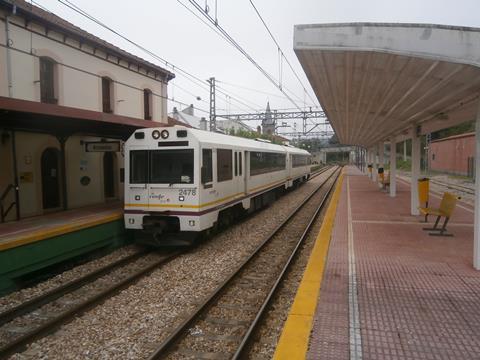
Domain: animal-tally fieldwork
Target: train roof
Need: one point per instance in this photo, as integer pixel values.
(209, 137)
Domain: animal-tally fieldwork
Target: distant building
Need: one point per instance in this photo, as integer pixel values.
(188, 116)
(268, 123)
(453, 154)
(67, 100)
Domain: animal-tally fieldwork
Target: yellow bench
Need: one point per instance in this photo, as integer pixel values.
(447, 205)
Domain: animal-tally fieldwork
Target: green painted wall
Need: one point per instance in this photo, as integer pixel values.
(25, 259)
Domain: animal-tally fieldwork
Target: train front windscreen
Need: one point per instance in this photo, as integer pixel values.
(161, 166)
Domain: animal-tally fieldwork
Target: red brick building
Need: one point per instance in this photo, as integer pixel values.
(453, 154)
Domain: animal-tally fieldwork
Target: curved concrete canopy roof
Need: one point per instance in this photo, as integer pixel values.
(375, 81)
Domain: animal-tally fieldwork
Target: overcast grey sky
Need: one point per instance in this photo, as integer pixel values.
(171, 31)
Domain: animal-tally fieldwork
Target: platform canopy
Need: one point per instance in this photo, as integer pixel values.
(377, 80)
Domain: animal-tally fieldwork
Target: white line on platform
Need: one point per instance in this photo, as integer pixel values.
(405, 222)
(354, 316)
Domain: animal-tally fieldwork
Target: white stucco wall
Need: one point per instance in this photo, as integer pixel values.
(79, 72)
(79, 163)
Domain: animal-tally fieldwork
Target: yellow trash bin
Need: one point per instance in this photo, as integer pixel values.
(423, 190)
(381, 175)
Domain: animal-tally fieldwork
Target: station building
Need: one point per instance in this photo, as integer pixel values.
(67, 100)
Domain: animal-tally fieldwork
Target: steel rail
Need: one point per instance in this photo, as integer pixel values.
(248, 335)
(46, 328)
(55, 293)
(457, 187)
(176, 334)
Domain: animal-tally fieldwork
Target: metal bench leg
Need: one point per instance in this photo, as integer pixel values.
(443, 229)
(434, 226)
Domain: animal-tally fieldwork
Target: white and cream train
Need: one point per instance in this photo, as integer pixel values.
(181, 181)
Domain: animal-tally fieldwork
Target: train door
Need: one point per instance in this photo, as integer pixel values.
(238, 172)
(242, 172)
(246, 161)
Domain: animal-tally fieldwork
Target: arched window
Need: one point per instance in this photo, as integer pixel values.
(147, 104)
(47, 81)
(107, 95)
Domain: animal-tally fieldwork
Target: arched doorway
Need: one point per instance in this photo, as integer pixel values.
(50, 178)
(109, 175)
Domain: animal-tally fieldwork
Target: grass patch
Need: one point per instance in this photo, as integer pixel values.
(404, 165)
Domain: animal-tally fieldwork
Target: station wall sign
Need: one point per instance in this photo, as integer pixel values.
(102, 146)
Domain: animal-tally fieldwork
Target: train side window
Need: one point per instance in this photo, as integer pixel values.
(224, 165)
(207, 168)
(239, 163)
(236, 163)
(138, 167)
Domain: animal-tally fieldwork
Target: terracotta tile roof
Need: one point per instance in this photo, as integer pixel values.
(55, 22)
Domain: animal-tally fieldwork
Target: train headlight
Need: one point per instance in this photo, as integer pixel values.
(155, 134)
(164, 134)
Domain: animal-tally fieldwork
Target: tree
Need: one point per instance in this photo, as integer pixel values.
(454, 130)
(333, 140)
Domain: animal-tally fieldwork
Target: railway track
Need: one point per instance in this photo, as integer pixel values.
(222, 325)
(464, 189)
(44, 313)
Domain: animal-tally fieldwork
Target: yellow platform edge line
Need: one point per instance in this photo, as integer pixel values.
(293, 342)
(59, 230)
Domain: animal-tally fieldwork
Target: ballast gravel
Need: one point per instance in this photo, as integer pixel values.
(18, 297)
(131, 324)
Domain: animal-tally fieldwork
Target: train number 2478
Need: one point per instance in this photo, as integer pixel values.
(186, 192)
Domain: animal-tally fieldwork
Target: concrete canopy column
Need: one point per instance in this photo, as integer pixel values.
(375, 163)
(476, 229)
(415, 171)
(369, 160)
(393, 167)
(381, 158)
(381, 155)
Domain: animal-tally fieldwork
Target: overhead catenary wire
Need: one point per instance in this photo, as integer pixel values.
(256, 106)
(282, 54)
(250, 89)
(187, 75)
(234, 43)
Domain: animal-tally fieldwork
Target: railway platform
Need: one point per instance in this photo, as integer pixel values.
(35, 243)
(385, 289)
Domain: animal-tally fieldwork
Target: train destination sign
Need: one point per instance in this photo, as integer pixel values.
(102, 146)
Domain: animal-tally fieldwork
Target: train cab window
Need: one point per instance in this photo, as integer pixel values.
(207, 168)
(236, 164)
(240, 163)
(171, 166)
(224, 165)
(138, 166)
